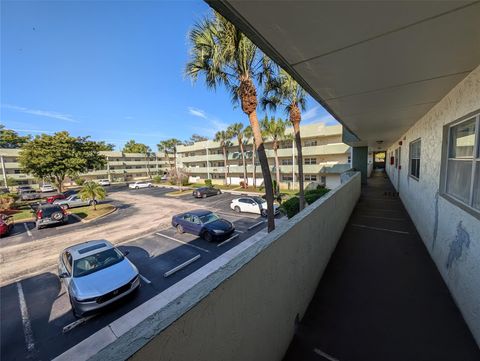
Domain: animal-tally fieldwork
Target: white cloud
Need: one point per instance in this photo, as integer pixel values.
(328, 119)
(197, 112)
(42, 113)
(33, 131)
(310, 113)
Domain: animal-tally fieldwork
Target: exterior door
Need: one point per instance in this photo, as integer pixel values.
(399, 168)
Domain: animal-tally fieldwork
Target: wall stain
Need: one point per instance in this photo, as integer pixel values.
(462, 238)
(435, 225)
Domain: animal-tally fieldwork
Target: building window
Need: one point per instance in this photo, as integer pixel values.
(310, 161)
(287, 161)
(415, 158)
(287, 178)
(462, 180)
(310, 143)
(323, 180)
(310, 177)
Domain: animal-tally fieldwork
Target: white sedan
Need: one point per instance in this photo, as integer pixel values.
(252, 205)
(138, 185)
(47, 188)
(104, 182)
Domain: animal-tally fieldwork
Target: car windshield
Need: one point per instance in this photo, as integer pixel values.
(95, 262)
(258, 200)
(210, 217)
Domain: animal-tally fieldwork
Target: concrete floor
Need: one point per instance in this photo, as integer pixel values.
(381, 297)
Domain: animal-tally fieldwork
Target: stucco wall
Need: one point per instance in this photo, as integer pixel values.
(251, 316)
(440, 223)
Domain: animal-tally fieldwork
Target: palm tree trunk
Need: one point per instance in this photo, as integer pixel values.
(254, 166)
(277, 167)
(298, 144)
(94, 204)
(245, 179)
(267, 177)
(225, 165)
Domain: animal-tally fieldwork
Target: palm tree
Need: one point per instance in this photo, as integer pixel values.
(248, 134)
(223, 137)
(225, 56)
(169, 146)
(275, 130)
(236, 130)
(282, 89)
(92, 191)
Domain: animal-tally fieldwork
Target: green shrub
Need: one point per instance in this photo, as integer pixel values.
(185, 181)
(157, 179)
(312, 195)
(7, 201)
(79, 181)
(208, 182)
(290, 207)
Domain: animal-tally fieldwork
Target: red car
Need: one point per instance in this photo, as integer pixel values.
(6, 224)
(51, 199)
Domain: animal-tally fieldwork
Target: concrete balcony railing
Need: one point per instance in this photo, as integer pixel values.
(248, 297)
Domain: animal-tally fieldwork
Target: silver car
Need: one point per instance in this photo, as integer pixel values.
(96, 274)
(74, 201)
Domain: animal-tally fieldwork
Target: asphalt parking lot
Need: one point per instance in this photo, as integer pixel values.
(37, 322)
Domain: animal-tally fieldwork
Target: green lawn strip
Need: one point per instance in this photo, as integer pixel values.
(179, 193)
(88, 213)
(21, 214)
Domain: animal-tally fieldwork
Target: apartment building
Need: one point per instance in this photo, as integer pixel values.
(325, 158)
(120, 167)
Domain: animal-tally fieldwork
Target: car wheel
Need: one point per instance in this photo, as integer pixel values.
(219, 192)
(74, 311)
(263, 212)
(237, 209)
(149, 186)
(91, 203)
(136, 187)
(207, 236)
(204, 195)
(180, 228)
(65, 206)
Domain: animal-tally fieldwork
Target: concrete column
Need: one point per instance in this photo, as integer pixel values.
(108, 170)
(293, 163)
(208, 162)
(360, 161)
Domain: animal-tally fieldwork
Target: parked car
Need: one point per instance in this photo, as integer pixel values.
(47, 188)
(203, 223)
(96, 274)
(104, 182)
(47, 214)
(74, 201)
(28, 195)
(4, 190)
(21, 189)
(138, 185)
(54, 197)
(204, 192)
(255, 205)
(6, 224)
(70, 192)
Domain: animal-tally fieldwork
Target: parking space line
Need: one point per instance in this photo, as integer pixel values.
(324, 354)
(76, 323)
(181, 266)
(228, 240)
(146, 280)
(27, 327)
(28, 230)
(182, 242)
(239, 231)
(255, 225)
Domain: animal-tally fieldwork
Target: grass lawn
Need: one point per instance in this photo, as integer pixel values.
(179, 193)
(87, 213)
(21, 214)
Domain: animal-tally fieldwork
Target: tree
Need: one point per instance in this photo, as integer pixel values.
(223, 137)
(169, 146)
(225, 56)
(10, 138)
(57, 156)
(196, 138)
(236, 130)
(248, 134)
(92, 191)
(282, 89)
(275, 130)
(133, 147)
(105, 147)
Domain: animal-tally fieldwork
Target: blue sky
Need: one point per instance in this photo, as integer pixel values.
(109, 69)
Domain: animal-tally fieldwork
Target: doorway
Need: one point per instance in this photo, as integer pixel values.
(379, 161)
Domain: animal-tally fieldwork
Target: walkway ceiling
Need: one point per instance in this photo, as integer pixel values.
(377, 66)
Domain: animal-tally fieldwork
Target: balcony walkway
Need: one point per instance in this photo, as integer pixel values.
(381, 296)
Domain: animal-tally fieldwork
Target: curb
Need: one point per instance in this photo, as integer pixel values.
(94, 219)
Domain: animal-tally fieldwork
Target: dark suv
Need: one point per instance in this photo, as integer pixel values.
(204, 192)
(47, 214)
